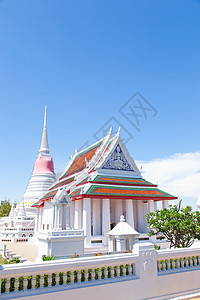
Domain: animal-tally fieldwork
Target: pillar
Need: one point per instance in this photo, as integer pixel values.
(151, 208)
(118, 210)
(40, 219)
(165, 203)
(77, 214)
(87, 220)
(68, 223)
(54, 216)
(63, 217)
(72, 212)
(37, 220)
(151, 205)
(58, 221)
(129, 212)
(96, 217)
(105, 219)
(140, 216)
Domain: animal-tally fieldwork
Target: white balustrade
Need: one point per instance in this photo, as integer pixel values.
(64, 278)
(79, 276)
(86, 275)
(99, 273)
(105, 273)
(17, 284)
(93, 274)
(118, 271)
(113, 267)
(124, 270)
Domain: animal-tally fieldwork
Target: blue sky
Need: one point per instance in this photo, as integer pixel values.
(85, 60)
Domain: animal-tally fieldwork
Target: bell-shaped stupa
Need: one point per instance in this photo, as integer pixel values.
(43, 175)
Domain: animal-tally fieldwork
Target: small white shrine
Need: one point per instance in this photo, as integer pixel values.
(122, 237)
(61, 240)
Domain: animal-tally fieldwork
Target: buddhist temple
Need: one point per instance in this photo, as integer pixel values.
(103, 183)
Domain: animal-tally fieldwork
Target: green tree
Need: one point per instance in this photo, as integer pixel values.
(5, 208)
(180, 227)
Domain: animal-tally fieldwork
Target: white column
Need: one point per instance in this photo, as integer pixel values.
(77, 214)
(165, 203)
(120, 243)
(37, 220)
(129, 212)
(151, 205)
(40, 219)
(87, 220)
(72, 212)
(54, 216)
(105, 219)
(63, 207)
(96, 217)
(151, 208)
(140, 216)
(58, 224)
(68, 223)
(118, 210)
(155, 205)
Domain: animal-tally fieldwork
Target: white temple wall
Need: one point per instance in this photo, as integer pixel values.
(96, 216)
(47, 218)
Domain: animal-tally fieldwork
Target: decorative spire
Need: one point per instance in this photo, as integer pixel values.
(21, 212)
(12, 213)
(44, 148)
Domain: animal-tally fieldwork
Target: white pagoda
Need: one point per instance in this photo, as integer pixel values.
(20, 224)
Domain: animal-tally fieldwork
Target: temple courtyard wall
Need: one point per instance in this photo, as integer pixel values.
(143, 274)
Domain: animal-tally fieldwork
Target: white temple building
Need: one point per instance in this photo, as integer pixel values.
(102, 183)
(20, 224)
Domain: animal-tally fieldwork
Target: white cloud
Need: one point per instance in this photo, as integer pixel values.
(177, 174)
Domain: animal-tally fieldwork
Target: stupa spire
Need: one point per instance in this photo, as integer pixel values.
(44, 148)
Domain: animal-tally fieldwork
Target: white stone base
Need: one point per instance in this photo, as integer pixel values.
(61, 243)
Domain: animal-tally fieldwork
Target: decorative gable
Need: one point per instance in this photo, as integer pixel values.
(61, 197)
(118, 161)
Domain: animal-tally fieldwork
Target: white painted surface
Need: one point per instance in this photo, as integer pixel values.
(147, 282)
(96, 207)
(105, 219)
(87, 220)
(165, 204)
(129, 212)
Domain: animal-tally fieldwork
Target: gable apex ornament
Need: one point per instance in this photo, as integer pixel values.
(61, 197)
(118, 161)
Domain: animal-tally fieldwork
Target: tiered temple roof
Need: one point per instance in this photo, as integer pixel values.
(105, 169)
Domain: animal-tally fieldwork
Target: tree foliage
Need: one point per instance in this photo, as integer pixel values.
(5, 208)
(180, 227)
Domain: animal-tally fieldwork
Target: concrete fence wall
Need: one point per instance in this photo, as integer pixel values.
(143, 274)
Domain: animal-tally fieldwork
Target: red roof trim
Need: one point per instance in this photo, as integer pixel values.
(81, 197)
(118, 183)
